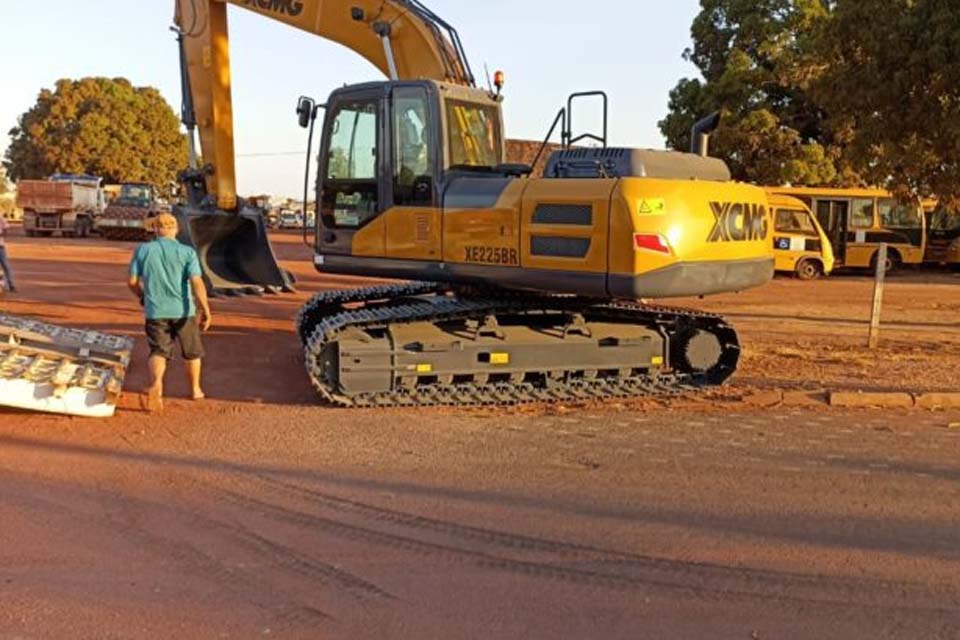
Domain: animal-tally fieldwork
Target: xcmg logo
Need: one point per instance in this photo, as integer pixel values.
(286, 7)
(738, 222)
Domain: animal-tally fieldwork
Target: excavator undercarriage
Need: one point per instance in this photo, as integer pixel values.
(423, 344)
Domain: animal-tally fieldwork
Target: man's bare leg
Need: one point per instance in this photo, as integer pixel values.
(194, 368)
(158, 368)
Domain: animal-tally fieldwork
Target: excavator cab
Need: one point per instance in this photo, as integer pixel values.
(397, 148)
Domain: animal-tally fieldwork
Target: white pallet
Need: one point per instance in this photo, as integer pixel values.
(60, 370)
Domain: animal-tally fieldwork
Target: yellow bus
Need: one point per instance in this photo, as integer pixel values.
(858, 221)
(943, 235)
(800, 245)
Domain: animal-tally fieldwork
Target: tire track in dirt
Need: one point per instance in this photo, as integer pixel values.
(243, 585)
(413, 521)
(599, 568)
(311, 568)
(124, 512)
(287, 609)
(528, 543)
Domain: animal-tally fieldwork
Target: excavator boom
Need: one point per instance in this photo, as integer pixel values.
(402, 38)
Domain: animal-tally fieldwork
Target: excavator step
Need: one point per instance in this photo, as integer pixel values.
(60, 370)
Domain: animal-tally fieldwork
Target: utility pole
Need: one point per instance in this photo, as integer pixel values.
(879, 278)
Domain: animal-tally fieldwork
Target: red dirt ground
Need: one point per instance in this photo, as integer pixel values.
(262, 514)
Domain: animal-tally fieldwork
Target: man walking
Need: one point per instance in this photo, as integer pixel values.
(165, 275)
(4, 261)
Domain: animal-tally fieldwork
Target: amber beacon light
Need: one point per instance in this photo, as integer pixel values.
(499, 79)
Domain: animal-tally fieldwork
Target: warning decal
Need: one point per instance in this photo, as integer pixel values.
(653, 206)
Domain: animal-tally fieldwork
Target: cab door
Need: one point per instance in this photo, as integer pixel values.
(481, 206)
(413, 218)
(351, 161)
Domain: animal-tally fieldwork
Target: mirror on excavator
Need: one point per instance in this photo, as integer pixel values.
(234, 249)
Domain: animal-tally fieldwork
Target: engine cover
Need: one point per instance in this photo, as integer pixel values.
(636, 163)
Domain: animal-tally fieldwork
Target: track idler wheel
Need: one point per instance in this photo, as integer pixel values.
(706, 355)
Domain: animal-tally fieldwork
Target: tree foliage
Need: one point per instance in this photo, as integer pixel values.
(100, 126)
(891, 81)
(4, 185)
(748, 52)
(829, 92)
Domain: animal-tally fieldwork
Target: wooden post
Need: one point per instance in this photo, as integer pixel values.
(878, 296)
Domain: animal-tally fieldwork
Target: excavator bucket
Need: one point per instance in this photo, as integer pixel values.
(235, 252)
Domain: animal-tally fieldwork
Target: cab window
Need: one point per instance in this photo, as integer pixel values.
(350, 194)
(795, 221)
(412, 148)
(862, 216)
(475, 137)
(896, 215)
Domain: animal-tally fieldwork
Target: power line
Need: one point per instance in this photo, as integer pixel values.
(272, 154)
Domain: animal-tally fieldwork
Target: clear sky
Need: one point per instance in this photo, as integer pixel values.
(548, 49)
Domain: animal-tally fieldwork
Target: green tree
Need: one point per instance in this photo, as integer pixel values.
(4, 186)
(101, 126)
(892, 87)
(749, 53)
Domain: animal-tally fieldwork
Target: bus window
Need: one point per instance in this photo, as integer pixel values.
(795, 221)
(895, 215)
(862, 216)
(943, 220)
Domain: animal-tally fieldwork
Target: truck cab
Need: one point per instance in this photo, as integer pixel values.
(128, 214)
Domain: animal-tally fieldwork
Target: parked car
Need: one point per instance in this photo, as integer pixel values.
(290, 219)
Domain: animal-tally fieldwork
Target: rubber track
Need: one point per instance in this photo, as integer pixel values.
(331, 302)
(324, 319)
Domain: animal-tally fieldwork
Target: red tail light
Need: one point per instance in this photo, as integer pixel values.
(651, 242)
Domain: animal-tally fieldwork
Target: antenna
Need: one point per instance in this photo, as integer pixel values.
(489, 83)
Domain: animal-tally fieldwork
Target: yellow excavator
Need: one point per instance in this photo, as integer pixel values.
(516, 288)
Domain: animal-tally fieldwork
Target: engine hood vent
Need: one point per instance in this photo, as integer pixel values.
(634, 163)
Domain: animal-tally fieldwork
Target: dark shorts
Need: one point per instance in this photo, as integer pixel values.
(162, 334)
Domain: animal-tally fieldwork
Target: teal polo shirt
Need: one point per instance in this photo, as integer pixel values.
(165, 267)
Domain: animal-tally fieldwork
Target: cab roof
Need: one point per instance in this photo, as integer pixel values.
(787, 202)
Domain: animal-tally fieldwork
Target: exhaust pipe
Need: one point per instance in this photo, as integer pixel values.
(701, 132)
